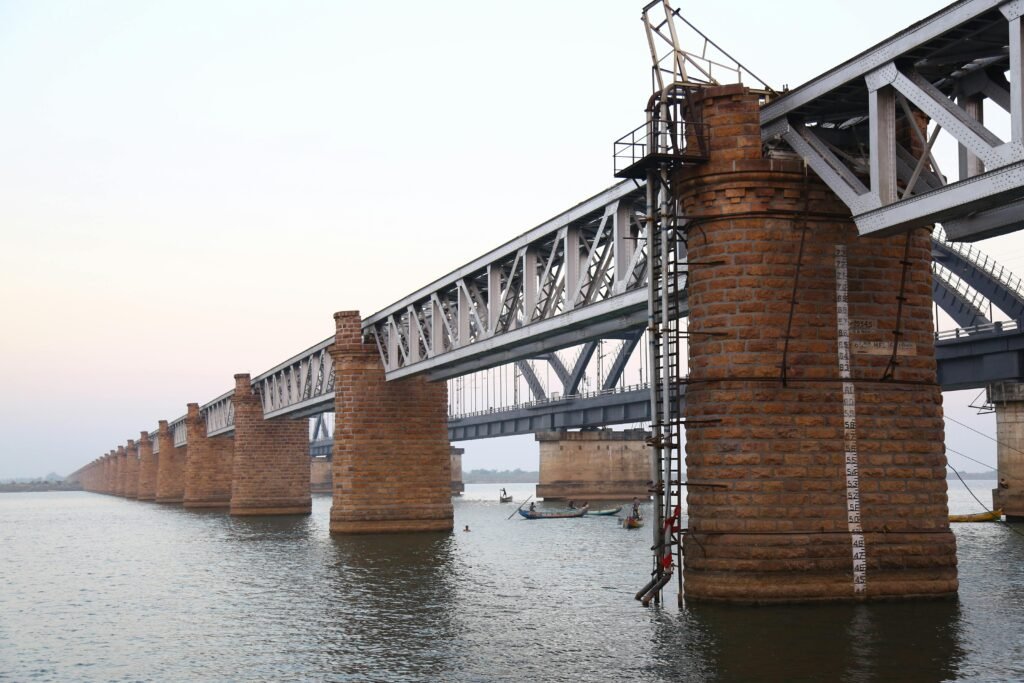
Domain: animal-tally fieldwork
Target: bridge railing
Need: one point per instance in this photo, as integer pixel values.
(983, 261)
(989, 328)
(303, 384)
(554, 398)
(971, 297)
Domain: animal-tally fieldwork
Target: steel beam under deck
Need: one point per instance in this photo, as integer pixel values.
(944, 66)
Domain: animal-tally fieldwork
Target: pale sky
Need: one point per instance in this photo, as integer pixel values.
(190, 189)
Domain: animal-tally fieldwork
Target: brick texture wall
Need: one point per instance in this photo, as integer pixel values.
(147, 468)
(779, 528)
(271, 459)
(208, 465)
(392, 464)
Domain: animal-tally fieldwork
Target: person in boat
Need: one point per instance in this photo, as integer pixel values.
(636, 508)
(503, 494)
(533, 507)
(572, 504)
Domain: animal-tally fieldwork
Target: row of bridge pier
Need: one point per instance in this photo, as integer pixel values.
(814, 442)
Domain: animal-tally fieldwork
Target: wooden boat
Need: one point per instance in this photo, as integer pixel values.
(607, 512)
(632, 522)
(993, 516)
(504, 499)
(553, 514)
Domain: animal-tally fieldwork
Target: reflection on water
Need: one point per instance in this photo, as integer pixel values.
(101, 589)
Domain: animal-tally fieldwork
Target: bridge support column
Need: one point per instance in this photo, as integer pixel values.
(170, 468)
(599, 464)
(208, 465)
(815, 449)
(131, 475)
(457, 485)
(271, 459)
(120, 470)
(1008, 398)
(320, 474)
(109, 476)
(147, 468)
(392, 464)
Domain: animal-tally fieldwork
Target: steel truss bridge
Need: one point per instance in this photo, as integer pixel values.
(581, 276)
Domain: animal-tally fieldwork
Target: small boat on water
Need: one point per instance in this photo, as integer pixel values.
(632, 522)
(607, 512)
(988, 516)
(504, 499)
(553, 514)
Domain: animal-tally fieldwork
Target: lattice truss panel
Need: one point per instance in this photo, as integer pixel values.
(869, 127)
(566, 272)
(303, 385)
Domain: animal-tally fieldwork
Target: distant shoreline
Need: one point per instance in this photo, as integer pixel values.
(500, 477)
(38, 487)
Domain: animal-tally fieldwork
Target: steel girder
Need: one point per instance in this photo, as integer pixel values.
(303, 386)
(579, 273)
(944, 67)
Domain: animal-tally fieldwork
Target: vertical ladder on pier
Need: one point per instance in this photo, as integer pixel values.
(666, 259)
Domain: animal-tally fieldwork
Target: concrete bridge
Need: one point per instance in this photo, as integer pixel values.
(812, 404)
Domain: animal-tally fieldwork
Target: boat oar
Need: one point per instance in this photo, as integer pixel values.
(519, 508)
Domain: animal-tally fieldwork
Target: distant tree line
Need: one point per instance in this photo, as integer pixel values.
(516, 476)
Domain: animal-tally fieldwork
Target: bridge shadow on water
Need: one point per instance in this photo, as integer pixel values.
(909, 642)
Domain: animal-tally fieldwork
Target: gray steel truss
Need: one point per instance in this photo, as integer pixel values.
(576, 277)
(945, 67)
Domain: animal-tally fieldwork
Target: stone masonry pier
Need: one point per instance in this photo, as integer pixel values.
(827, 447)
(392, 464)
(598, 464)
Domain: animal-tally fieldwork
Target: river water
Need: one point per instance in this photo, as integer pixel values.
(96, 588)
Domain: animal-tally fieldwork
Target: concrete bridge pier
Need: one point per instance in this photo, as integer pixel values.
(207, 466)
(1008, 399)
(594, 464)
(271, 469)
(814, 447)
(131, 472)
(392, 463)
(147, 468)
(170, 467)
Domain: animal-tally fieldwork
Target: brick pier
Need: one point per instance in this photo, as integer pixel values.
(131, 472)
(596, 464)
(832, 486)
(147, 468)
(1008, 399)
(170, 467)
(271, 459)
(208, 465)
(392, 464)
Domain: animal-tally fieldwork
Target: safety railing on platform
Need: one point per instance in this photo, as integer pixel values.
(672, 141)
